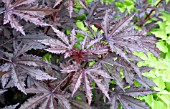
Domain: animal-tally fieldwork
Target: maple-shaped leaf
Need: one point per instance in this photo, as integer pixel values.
(113, 64)
(122, 37)
(45, 98)
(25, 9)
(85, 76)
(122, 72)
(61, 46)
(126, 98)
(65, 46)
(18, 66)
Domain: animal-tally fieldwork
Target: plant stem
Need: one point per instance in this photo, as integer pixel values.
(7, 42)
(68, 81)
(60, 83)
(149, 15)
(53, 17)
(5, 59)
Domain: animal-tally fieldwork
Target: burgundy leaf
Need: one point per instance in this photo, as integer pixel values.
(70, 5)
(19, 66)
(24, 10)
(43, 93)
(100, 72)
(88, 90)
(127, 100)
(84, 76)
(101, 86)
(73, 38)
(70, 68)
(92, 42)
(61, 35)
(57, 2)
(38, 74)
(77, 82)
(119, 25)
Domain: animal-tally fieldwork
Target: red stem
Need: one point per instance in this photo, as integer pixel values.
(68, 81)
(70, 78)
(53, 17)
(149, 15)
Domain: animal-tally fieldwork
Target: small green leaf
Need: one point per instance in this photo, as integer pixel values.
(112, 82)
(158, 104)
(166, 75)
(165, 16)
(121, 73)
(94, 28)
(167, 1)
(166, 99)
(78, 98)
(93, 84)
(161, 45)
(167, 86)
(137, 84)
(167, 29)
(161, 65)
(91, 63)
(149, 99)
(47, 57)
(159, 82)
(141, 55)
(81, 26)
(127, 87)
(160, 34)
(68, 31)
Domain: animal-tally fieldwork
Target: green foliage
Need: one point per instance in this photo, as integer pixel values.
(126, 5)
(153, 2)
(81, 26)
(137, 84)
(167, 1)
(160, 76)
(91, 63)
(161, 67)
(164, 27)
(47, 57)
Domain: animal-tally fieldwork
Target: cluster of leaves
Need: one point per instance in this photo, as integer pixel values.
(157, 23)
(97, 65)
(160, 74)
